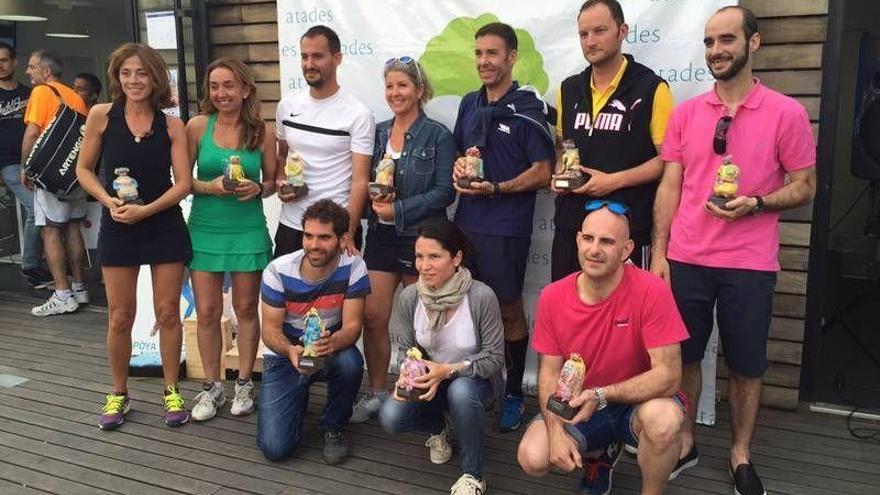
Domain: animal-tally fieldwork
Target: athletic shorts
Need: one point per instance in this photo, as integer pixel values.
(500, 263)
(52, 211)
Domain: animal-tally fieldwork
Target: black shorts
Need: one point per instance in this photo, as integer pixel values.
(288, 240)
(500, 263)
(388, 252)
(564, 253)
(744, 305)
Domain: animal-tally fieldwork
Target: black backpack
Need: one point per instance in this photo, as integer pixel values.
(51, 164)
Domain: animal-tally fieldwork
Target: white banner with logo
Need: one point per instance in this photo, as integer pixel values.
(665, 35)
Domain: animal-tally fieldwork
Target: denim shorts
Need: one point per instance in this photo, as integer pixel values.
(610, 425)
(387, 251)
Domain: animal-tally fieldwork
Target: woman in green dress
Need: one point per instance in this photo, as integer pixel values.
(227, 224)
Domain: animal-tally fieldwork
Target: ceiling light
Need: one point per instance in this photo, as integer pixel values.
(20, 11)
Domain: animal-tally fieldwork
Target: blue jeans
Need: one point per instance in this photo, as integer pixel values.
(33, 244)
(466, 398)
(284, 399)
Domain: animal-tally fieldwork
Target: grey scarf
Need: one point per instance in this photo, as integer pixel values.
(448, 296)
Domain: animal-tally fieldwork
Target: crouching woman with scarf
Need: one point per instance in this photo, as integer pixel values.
(456, 322)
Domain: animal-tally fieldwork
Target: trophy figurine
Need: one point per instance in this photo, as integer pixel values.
(473, 168)
(293, 169)
(384, 183)
(571, 177)
(126, 187)
(726, 183)
(569, 385)
(233, 173)
(412, 368)
(310, 362)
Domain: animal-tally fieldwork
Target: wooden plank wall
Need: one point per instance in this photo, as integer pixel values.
(793, 33)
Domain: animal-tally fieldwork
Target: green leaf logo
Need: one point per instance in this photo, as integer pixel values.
(449, 58)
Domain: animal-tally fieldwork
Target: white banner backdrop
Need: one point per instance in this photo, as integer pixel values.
(665, 35)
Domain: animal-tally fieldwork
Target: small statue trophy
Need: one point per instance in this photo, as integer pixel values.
(412, 368)
(569, 385)
(473, 168)
(384, 183)
(726, 183)
(310, 362)
(233, 173)
(293, 169)
(126, 187)
(571, 177)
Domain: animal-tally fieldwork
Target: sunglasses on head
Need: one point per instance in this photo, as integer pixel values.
(719, 139)
(613, 206)
(407, 61)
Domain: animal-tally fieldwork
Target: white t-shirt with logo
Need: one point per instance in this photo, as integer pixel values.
(325, 133)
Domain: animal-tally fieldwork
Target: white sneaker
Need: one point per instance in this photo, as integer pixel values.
(81, 296)
(366, 408)
(55, 306)
(468, 485)
(207, 403)
(439, 449)
(243, 402)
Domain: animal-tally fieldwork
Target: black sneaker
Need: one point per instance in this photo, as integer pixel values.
(690, 460)
(38, 278)
(746, 481)
(335, 447)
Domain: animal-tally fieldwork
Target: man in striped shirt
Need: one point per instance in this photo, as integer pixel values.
(323, 277)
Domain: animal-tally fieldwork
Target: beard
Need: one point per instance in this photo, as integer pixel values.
(315, 83)
(320, 259)
(736, 66)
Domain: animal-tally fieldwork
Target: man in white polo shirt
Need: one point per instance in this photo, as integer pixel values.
(333, 132)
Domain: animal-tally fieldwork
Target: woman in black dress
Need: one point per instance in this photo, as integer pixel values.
(133, 133)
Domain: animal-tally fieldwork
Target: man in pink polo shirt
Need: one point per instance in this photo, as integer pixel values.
(727, 255)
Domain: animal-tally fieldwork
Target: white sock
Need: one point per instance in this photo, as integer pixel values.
(78, 286)
(63, 294)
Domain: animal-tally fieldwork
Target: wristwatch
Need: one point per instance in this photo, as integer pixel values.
(496, 190)
(759, 207)
(600, 398)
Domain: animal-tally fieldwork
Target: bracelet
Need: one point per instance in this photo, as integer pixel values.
(262, 189)
(496, 189)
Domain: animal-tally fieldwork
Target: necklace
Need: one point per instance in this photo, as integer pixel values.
(139, 136)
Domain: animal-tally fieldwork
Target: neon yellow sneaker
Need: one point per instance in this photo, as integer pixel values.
(114, 411)
(175, 410)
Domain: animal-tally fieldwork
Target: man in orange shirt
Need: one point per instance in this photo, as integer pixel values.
(58, 218)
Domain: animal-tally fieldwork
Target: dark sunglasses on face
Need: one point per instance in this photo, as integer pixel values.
(719, 140)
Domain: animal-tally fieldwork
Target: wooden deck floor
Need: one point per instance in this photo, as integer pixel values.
(49, 442)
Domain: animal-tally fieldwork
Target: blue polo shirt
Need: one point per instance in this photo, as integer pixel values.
(512, 145)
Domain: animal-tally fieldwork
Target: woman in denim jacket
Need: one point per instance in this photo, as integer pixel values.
(423, 152)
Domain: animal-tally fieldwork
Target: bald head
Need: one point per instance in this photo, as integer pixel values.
(607, 221)
(603, 243)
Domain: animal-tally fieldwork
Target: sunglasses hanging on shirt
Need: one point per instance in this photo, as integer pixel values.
(719, 139)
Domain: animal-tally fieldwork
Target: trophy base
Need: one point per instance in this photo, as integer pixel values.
(465, 182)
(411, 395)
(560, 408)
(377, 189)
(719, 201)
(295, 190)
(570, 183)
(230, 185)
(311, 364)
